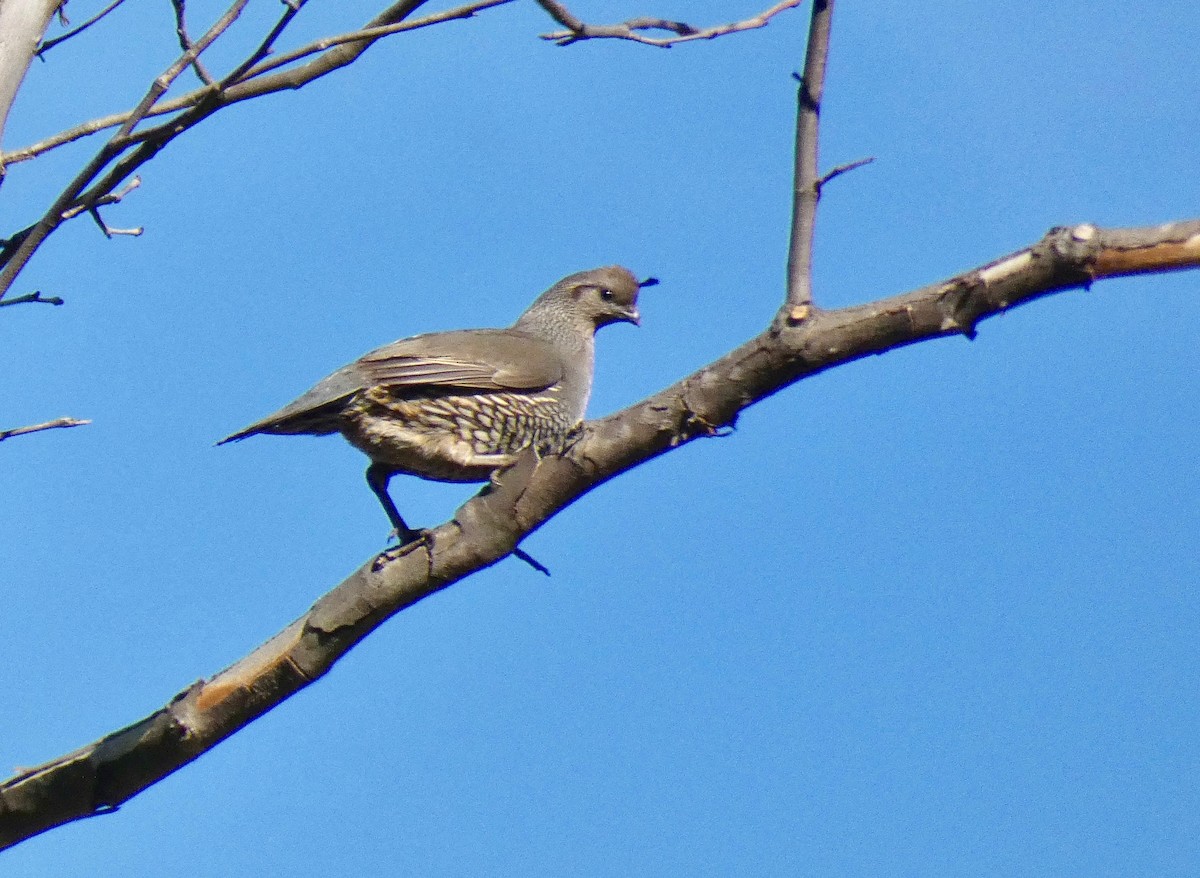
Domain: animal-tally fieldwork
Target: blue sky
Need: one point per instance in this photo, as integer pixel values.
(932, 613)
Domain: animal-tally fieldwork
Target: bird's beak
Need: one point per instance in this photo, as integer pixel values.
(632, 316)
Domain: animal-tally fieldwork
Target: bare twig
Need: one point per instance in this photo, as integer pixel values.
(35, 296)
(333, 52)
(577, 29)
(9, 246)
(168, 76)
(838, 170)
(110, 198)
(94, 185)
(37, 428)
(370, 34)
(47, 45)
(291, 7)
(806, 183)
(185, 42)
(77, 195)
(111, 231)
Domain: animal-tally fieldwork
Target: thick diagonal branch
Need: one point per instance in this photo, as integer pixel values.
(102, 775)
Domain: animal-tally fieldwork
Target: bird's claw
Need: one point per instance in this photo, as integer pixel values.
(409, 541)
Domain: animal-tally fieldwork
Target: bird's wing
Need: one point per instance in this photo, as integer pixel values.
(472, 359)
(476, 359)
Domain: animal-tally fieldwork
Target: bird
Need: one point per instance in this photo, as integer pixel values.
(458, 406)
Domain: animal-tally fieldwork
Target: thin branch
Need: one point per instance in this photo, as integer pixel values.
(291, 7)
(47, 45)
(168, 76)
(334, 52)
(370, 34)
(111, 232)
(103, 775)
(57, 423)
(110, 198)
(75, 195)
(185, 42)
(577, 30)
(92, 186)
(838, 170)
(35, 296)
(806, 189)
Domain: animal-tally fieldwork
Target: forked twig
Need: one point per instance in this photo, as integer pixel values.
(291, 7)
(577, 29)
(185, 42)
(35, 296)
(110, 198)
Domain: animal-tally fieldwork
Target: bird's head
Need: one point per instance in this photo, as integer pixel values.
(587, 300)
(602, 295)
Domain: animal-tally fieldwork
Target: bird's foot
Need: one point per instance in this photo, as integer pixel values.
(409, 540)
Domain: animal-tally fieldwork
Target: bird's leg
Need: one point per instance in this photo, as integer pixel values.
(378, 477)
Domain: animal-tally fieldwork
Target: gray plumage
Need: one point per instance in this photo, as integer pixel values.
(456, 406)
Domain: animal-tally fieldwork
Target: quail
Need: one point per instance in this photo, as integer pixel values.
(457, 406)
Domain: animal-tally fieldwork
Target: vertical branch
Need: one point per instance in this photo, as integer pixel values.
(807, 183)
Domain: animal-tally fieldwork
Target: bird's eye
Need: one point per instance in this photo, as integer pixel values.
(607, 295)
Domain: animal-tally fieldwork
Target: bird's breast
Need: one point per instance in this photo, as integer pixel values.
(453, 438)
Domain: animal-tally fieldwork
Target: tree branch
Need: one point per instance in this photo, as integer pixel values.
(47, 45)
(185, 41)
(806, 187)
(290, 9)
(99, 777)
(338, 51)
(22, 25)
(83, 194)
(57, 423)
(71, 197)
(577, 30)
(364, 35)
(35, 296)
(334, 53)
